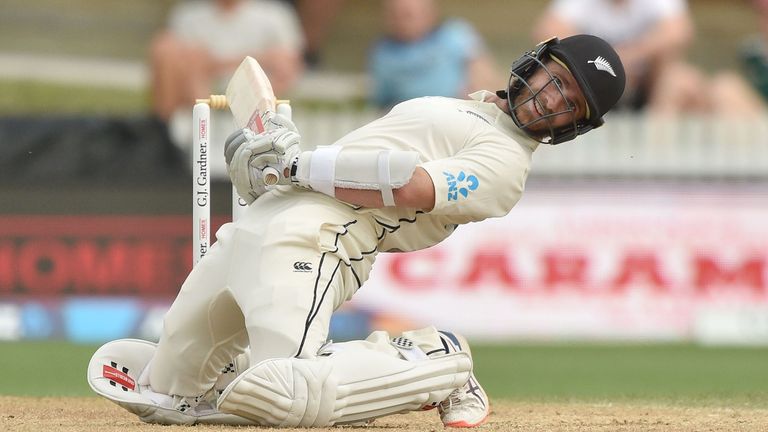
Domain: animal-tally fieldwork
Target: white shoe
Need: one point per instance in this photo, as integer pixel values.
(118, 372)
(467, 406)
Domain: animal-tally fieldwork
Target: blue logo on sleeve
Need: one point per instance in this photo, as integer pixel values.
(460, 184)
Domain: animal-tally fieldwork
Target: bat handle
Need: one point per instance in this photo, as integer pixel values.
(284, 108)
(271, 176)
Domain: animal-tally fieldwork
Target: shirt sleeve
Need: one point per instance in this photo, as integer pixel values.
(482, 181)
(181, 19)
(668, 8)
(465, 38)
(286, 28)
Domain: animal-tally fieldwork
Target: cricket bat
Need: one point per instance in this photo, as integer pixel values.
(251, 100)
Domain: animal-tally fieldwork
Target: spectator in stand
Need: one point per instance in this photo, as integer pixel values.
(205, 41)
(755, 52)
(316, 17)
(652, 37)
(422, 55)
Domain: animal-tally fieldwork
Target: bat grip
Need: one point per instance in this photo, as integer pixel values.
(271, 176)
(284, 108)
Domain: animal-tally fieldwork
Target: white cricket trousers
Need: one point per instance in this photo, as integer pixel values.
(271, 281)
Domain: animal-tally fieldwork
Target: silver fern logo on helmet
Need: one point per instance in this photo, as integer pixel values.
(603, 65)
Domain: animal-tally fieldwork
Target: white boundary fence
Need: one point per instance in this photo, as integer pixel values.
(639, 145)
(628, 145)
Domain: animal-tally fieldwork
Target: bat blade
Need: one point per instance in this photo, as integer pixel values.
(250, 95)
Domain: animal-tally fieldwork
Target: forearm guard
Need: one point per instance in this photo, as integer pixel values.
(326, 168)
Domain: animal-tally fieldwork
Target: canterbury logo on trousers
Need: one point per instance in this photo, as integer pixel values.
(302, 266)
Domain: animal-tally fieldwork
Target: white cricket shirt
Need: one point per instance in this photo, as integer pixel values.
(477, 157)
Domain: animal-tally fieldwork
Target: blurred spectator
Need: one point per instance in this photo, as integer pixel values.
(206, 40)
(196, 55)
(422, 55)
(755, 53)
(652, 37)
(316, 18)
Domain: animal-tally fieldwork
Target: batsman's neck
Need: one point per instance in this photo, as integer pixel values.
(501, 103)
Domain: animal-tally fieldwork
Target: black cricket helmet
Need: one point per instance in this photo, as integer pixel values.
(597, 69)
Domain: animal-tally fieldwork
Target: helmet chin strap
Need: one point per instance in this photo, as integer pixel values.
(502, 94)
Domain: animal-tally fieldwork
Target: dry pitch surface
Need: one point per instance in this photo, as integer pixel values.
(92, 414)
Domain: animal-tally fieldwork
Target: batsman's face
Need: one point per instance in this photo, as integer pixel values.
(553, 100)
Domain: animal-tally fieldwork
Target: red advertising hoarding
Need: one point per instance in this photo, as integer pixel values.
(593, 264)
(147, 256)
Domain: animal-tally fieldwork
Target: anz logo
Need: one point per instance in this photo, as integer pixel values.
(460, 185)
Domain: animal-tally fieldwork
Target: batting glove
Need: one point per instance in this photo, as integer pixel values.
(237, 154)
(286, 146)
(247, 154)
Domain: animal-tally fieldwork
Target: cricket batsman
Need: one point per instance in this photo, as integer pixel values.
(245, 341)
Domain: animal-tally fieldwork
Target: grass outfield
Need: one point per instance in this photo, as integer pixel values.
(28, 97)
(668, 374)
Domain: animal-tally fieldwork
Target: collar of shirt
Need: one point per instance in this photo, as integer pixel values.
(503, 120)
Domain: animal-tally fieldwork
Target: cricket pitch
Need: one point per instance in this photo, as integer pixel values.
(86, 414)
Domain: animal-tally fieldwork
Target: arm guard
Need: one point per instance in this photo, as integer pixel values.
(329, 167)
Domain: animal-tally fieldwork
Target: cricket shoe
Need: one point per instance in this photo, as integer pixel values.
(467, 406)
(119, 372)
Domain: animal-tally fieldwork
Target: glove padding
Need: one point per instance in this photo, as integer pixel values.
(247, 182)
(247, 154)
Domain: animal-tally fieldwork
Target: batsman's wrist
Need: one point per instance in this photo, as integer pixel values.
(300, 169)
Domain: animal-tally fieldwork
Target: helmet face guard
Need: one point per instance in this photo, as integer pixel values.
(519, 93)
(597, 70)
